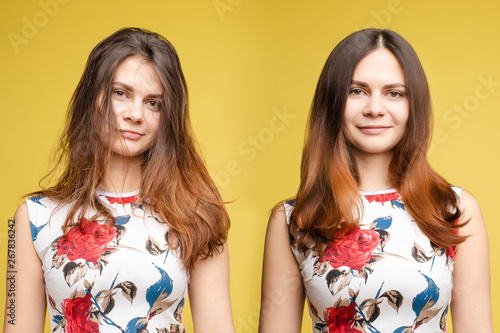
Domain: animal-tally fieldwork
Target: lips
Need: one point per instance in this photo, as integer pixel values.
(375, 129)
(132, 135)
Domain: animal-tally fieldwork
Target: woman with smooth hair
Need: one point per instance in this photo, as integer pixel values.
(132, 219)
(375, 240)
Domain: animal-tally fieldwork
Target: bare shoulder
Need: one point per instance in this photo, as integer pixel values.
(22, 212)
(471, 299)
(468, 202)
(277, 221)
(20, 222)
(25, 268)
(277, 235)
(278, 213)
(472, 213)
(23, 232)
(280, 276)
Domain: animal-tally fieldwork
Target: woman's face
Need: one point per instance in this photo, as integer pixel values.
(136, 96)
(377, 107)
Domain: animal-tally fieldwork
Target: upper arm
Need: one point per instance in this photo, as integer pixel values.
(471, 299)
(25, 303)
(209, 294)
(282, 301)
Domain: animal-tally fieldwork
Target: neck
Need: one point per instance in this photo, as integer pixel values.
(123, 175)
(373, 171)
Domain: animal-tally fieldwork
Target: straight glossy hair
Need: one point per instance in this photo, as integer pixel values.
(175, 181)
(329, 193)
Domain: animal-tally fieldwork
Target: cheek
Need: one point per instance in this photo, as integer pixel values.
(108, 134)
(117, 107)
(348, 120)
(347, 131)
(402, 123)
(403, 114)
(353, 109)
(155, 122)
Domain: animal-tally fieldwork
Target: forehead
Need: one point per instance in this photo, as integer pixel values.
(135, 71)
(379, 65)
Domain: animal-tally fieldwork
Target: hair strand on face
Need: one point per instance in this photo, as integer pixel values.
(175, 181)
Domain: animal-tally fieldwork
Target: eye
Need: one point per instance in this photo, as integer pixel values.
(356, 92)
(395, 94)
(155, 105)
(119, 93)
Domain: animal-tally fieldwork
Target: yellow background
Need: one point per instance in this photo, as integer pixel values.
(246, 61)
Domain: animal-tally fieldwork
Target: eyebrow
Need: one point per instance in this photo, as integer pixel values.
(130, 88)
(387, 86)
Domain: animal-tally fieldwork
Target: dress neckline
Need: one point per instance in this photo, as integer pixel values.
(118, 195)
(391, 190)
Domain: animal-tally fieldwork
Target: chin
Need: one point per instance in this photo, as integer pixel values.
(375, 150)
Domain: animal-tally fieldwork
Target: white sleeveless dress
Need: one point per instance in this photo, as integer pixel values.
(122, 278)
(384, 276)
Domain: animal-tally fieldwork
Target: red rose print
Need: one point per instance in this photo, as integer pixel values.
(352, 249)
(123, 201)
(88, 244)
(450, 252)
(341, 319)
(382, 197)
(77, 313)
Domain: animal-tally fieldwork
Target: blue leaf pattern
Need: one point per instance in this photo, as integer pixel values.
(57, 319)
(427, 297)
(135, 325)
(398, 204)
(135, 205)
(37, 200)
(161, 288)
(35, 230)
(319, 326)
(382, 222)
(121, 220)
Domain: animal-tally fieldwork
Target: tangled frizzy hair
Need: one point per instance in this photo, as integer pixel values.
(175, 181)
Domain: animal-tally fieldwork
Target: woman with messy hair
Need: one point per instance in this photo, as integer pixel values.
(133, 219)
(375, 239)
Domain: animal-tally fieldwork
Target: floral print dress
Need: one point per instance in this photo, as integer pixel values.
(122, 278)
(383, 276)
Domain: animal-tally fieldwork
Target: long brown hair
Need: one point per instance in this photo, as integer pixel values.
(175, 182)
(329, 193)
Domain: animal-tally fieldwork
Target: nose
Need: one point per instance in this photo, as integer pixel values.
(375, 106)
(134, 112)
